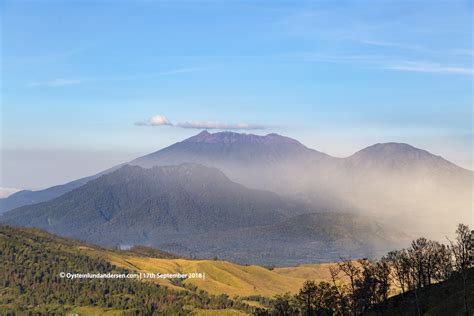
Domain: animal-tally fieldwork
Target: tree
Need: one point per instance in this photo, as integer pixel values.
(460, 249)
(340, 291)
(307, 298)
(418, 255)
(283, 305)
(443, 263)
(382, 277)
(352, 272)
(399, 268)
(327, 302)
(371, 285)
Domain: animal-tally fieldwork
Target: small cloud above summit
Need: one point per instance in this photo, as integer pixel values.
(161, 120)
(156, 120)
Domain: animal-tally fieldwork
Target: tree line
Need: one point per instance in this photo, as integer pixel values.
(360, 287)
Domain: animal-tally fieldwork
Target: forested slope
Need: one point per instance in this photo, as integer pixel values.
(32, 261)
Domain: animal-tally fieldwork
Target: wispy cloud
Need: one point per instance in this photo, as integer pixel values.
(466, 52)
(155, 74)
(431, 68)
(418, 48)
(161, 120)
(61, 82)
(337, 58)
(403, 46)
(387, 62)
(56, 83)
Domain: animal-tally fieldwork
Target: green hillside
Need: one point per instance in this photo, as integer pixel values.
(32, 260)
(221, 277)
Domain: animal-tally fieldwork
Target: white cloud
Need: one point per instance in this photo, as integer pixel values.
(56, 83)
(5, 192)
(156, 120)
(161, 120)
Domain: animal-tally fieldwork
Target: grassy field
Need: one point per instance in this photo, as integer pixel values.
(93, 311)
(307, 271)
(223, 276)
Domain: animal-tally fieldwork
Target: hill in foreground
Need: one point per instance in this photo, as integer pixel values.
(444, 298)
(32, 261)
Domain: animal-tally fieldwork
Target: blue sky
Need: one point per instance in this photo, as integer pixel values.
(82, 79)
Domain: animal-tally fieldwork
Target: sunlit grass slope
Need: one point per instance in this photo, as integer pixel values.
(223, 276)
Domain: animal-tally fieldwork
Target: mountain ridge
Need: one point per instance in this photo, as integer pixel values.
(25, 197)
(194, 210)
(391, 181)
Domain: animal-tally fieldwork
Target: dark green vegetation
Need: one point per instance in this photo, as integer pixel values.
(433, 279)
(31, 261)
(164, 206)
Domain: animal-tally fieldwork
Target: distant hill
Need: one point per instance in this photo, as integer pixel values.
(409, 187)
(262, 162)
(314, 237)
(139, 202)
(197, 211)
(5, 192)
(27, 197)
(391, 182)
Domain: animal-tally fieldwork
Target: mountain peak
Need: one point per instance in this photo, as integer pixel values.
(228, 137)
(398, 156)
(392, 150)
